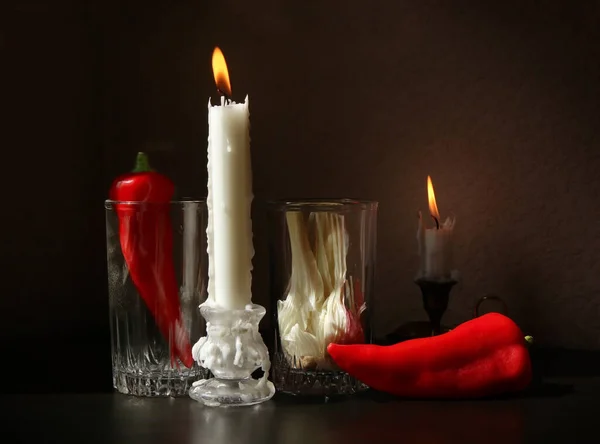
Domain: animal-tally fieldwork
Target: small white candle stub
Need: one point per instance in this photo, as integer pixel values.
(229, 198)
(435, 243)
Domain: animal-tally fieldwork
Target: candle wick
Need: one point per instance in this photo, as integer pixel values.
(437, 222)
(222, 93)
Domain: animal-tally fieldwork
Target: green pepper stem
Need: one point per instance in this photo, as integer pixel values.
(142, 164)
(529, 340)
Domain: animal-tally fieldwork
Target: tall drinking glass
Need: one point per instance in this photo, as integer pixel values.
(322, 262)
(157, 275)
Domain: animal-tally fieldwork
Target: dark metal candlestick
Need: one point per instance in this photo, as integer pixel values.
(435, 300)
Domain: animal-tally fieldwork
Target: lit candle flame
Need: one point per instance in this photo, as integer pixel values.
(220, 72)
(433, 209)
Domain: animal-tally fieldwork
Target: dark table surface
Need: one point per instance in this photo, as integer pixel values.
(558, 410)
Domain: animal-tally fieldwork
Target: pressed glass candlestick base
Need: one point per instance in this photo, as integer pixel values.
(232, 350)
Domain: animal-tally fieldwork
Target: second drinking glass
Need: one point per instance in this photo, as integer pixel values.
(322, 260)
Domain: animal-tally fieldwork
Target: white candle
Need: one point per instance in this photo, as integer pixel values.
(229, 201)
(191, 259)
(435, 244)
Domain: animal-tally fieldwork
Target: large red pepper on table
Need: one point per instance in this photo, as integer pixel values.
(143, 208)
(485, 356)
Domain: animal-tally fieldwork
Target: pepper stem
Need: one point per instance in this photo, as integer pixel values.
(142, 164)
(529, 340)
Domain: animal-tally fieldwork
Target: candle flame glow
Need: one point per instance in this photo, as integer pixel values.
(220, 72)
(433, 209)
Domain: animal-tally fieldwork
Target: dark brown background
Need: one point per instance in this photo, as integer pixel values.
(498, 101)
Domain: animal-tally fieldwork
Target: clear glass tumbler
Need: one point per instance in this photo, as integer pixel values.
(322, 262)
(157, 275)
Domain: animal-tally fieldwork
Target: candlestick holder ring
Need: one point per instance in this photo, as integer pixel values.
(487, 298)
(232, 350)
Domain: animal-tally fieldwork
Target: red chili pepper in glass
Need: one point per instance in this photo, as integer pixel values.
(142, 205)
(485, 356)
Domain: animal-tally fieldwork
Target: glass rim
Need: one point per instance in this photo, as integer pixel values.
(320, 203)
(108, 203)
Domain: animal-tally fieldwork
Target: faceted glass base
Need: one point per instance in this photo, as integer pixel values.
(301, 382)
(232, 392)
(157, 383)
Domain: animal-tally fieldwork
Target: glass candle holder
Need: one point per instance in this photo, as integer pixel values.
(322, 260)
(157, 275)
